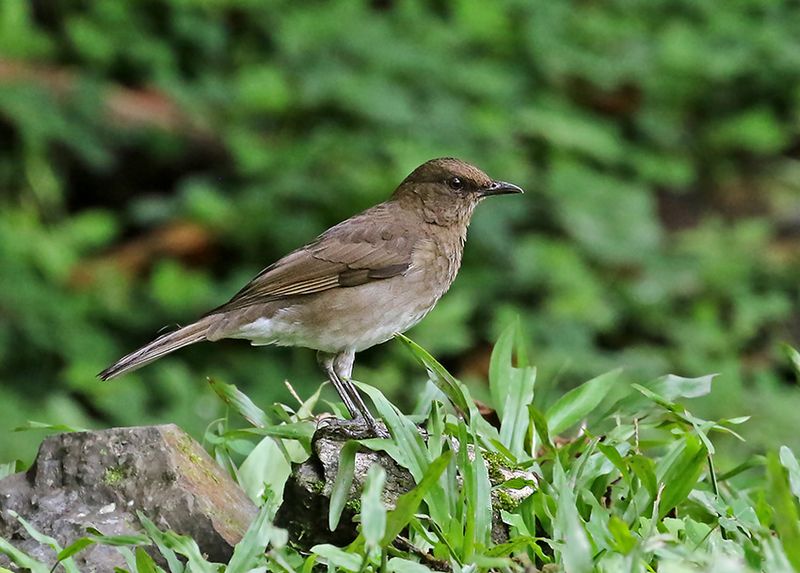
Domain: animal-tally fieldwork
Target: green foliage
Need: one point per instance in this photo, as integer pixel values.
(657, 140)
(632, 490)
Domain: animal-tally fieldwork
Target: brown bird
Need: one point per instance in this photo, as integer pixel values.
(356, 285)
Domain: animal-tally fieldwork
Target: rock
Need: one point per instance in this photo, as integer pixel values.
(101, 479)
(307, 494)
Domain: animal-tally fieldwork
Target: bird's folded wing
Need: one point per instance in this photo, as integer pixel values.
(345, 256)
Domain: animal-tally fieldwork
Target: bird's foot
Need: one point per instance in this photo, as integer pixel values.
(358, 428)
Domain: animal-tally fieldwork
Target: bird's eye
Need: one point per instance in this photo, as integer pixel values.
(455, 184)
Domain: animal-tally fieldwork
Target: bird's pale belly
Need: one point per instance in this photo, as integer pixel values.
(345, 319)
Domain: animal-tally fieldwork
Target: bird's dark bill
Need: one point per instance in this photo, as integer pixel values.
(501, 188)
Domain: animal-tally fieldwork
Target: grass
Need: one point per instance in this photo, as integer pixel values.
(627, 481)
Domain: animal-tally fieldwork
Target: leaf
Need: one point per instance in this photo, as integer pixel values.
(32, 425)
(789, 461)
(409, 442)
(644, 469)
(341, 485)
(576, 404)
(625, 541)
(373, 511)
(10, 468)
(540, 425)
(75, 547)
(787, 521)
(681, 476)
(22, 559)
(515, 421)
(501, 365)
(338, 558)
(254, 543)
(145, 563)
(159, 538)
(408, 503)
(264, 470)
(477, 495)
(794, 359)
(575, 551)
(301, 431)
(672, 387)
(399, 565)
(237, 400)
(439, 376)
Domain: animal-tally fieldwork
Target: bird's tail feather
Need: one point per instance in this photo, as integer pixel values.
(162, 345)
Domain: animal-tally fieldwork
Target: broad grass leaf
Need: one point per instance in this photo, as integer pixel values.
(681, 475)
(132, 539)
(576, 404)
(794, 359)
(264, 471)
(645, 469)
(22, 559)
(477, 495)
(410, 446)
(789, 461)
(300, 431)
(10, 468)
(515, 420)
(66, 562)
(672, 387)
(624, 540)
(438, 375)
(237, 400)
(159, 538)
(188, 547)
(145, 563)
(501, 364)
(249, 550)
(75, 547)
(60, 428)
(540, 425)
(373, 511)
(407, 504)
(341, 485)
(575, 550)
(400, 565)
(787, 521)
(338, 558)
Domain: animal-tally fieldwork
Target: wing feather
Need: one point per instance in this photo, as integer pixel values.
(375, 245)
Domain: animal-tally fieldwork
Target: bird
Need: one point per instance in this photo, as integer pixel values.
(356, 285)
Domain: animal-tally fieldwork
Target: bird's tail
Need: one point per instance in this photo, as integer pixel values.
(161, 346)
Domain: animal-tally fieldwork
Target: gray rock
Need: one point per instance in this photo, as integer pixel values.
(307, 494)
(101, 479)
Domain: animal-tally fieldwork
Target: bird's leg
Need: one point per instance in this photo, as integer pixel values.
(326, 360)
(343, 367)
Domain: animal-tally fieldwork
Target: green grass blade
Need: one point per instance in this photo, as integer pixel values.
(22, 559)
(576, 404)
(145, 563)
(408, 503)
(500, 367)
(240, 402)
(515, 421)
(439, 376)
(373, 511)
(787, 521)
(159, 538)
(789, 461)
(247, 552)
(342, 483)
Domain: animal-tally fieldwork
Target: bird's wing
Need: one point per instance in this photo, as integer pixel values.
(369, 247)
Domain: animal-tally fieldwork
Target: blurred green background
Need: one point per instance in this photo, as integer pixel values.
(155, 155)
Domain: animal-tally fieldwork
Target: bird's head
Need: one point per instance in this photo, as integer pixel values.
(448, 189)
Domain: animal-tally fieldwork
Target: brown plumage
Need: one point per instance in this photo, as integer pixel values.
(357, 284)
